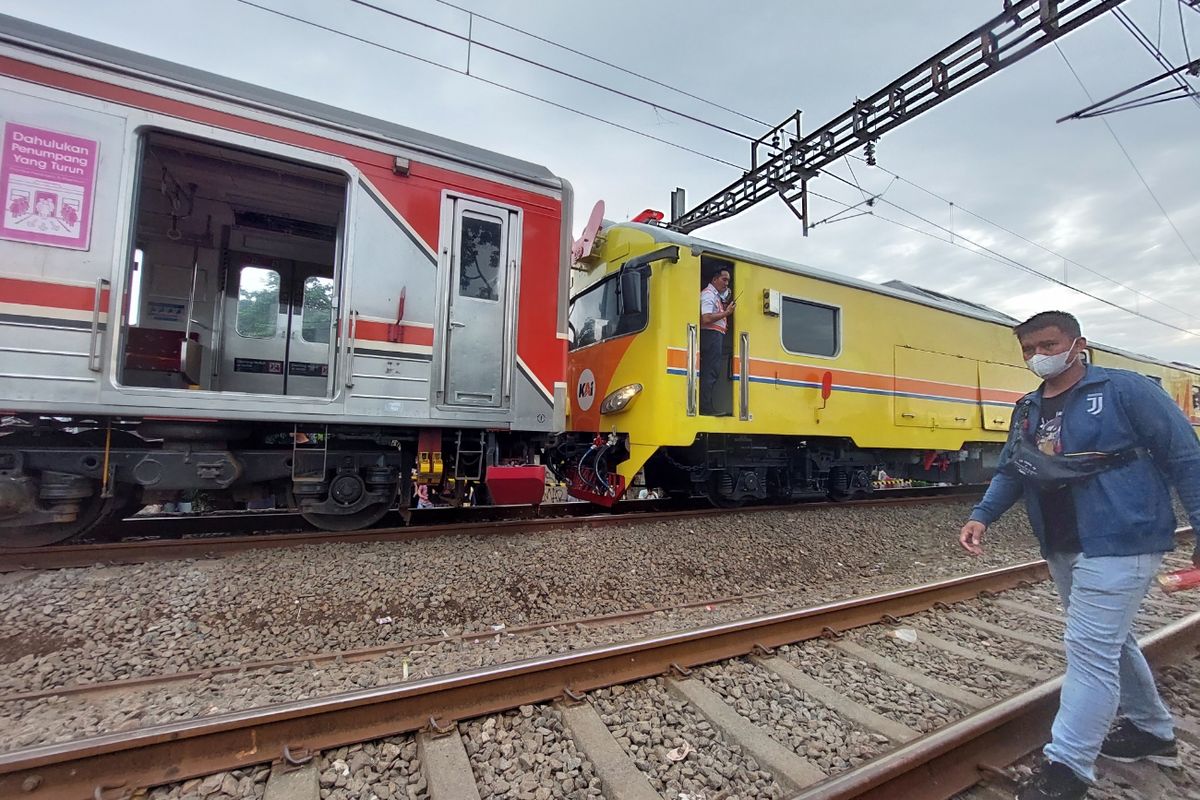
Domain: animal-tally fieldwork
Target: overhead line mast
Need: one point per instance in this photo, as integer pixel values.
(784, 159)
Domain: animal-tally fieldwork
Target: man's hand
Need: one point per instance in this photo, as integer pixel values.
(971, 537)
(729, 308)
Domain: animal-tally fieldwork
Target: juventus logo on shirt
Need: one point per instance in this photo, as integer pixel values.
(1095, 404)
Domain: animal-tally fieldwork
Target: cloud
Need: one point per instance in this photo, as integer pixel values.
(995, 150)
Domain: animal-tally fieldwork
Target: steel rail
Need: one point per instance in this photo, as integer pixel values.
(136, 552)
(176, 751)
(951, 759)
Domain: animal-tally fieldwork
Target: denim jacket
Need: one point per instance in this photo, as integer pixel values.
(1126, 510)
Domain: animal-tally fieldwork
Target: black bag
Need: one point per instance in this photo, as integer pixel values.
(1027, 461)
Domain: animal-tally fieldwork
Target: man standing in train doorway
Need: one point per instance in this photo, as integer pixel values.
(714, 364)
(1092, 451)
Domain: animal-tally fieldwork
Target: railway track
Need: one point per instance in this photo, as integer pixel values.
(671, 715)
(160, 538)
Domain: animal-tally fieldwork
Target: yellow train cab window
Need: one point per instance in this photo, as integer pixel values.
(614, 306)
(810, 328)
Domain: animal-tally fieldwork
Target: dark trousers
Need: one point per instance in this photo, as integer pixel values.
(714, 373)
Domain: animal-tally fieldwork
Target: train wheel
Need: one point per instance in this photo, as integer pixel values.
(93, 511)
(848, 484)
(720, 491)
(363, 518)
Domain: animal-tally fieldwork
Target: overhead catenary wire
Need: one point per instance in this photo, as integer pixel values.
(1004, 259)
(1129, 158)
(609, 64)
(1125, 20)
(497, 84)
(1156, 52)
(554, 70)
(897, 177)
(575, 51)
(994, 255)
(1183, 31)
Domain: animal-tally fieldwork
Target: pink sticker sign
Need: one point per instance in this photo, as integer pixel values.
(47, 180)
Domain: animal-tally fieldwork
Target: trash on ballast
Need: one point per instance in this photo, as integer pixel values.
(384, 620)
(905, 635)
(680, 753)
(404, 662)
(497, 627)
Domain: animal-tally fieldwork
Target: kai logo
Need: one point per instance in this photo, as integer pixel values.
(1095, 404)
(585, 390)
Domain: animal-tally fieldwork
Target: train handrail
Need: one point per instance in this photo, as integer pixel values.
(744, 366)
(351, 342)
(94, 351)
(691, 370)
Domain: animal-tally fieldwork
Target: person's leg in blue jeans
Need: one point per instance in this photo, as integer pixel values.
(1105, 668)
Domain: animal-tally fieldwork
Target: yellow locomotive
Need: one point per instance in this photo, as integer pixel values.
(828, 383)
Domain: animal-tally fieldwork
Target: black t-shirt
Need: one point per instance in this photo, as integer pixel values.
(1058, 506)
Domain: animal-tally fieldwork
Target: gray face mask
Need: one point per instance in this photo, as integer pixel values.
(1046, 367)
(725, 294)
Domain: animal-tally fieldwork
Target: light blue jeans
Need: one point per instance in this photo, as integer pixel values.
(1105, 668)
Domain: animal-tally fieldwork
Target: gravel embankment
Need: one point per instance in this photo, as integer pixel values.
(103, 623)
(810, 729)
(526, 754)
(386, 769)
(676, 748)
(247, 784)
(869, 686)
(994, 645)
(963, 673)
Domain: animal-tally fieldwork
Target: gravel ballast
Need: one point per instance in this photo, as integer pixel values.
(676, 748)
(103, 623)
(808, 728)
(526, 753)
(872, 687)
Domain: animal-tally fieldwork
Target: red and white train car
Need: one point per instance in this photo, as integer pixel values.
(207, 285)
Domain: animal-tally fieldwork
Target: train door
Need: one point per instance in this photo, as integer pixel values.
(278, 326)
(479, 306)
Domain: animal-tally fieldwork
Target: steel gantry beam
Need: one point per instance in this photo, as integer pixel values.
(784, 159)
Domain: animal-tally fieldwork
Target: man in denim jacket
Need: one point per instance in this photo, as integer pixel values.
(1103, 536)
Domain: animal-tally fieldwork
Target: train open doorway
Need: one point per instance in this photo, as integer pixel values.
(234, 282)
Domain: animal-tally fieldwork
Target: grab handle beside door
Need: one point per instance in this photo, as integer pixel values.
(692, 333)
(94, 347)
(352, 341)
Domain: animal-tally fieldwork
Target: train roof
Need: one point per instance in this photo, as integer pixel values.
(88, 51)
(897, 289)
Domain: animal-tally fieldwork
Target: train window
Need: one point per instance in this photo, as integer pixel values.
(1195, 399)
(615, 306)
(479, 258)
(316, 313)
(258, 303)
(809, 328)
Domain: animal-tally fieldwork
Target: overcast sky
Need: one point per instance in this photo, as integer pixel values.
(994, 151)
